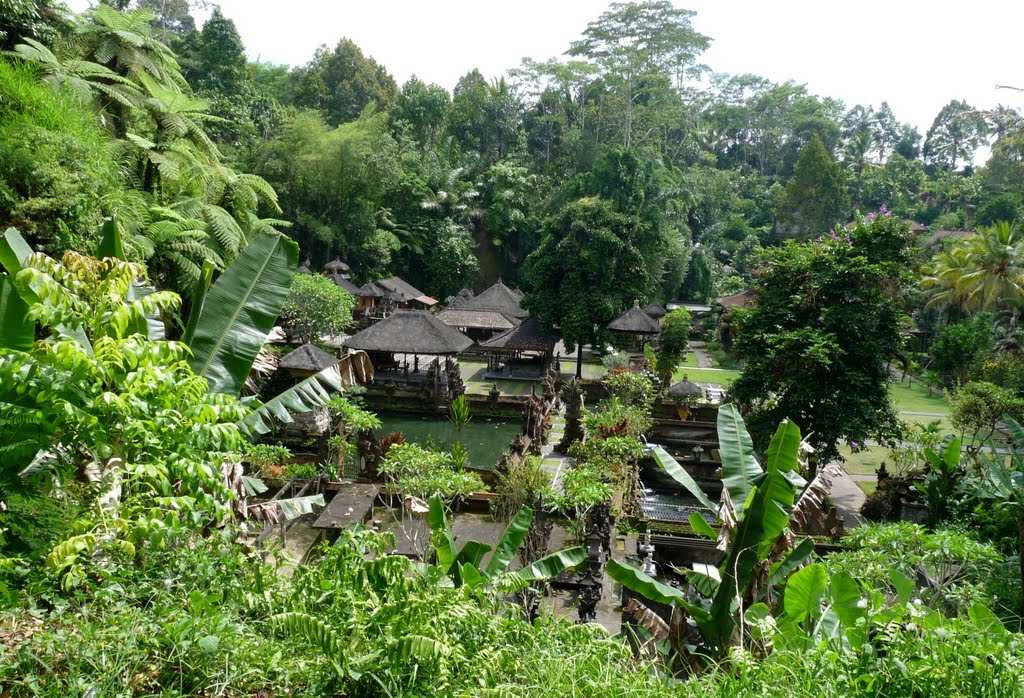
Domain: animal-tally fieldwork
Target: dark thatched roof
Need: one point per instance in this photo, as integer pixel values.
(655, 310)
(737, 300)
(499, 298)
(336, 266)
(344, 283)
(635, 321)
(686, 388)
(529, 336)
(459, 301)
(372, 290)
(304, 268)
(308, 357)
(940, 234)
(410, 332)
(475, 319)
(401, 288)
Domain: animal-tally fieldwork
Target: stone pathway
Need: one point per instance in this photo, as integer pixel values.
(847, 497)
(553, 461)
(700, 353)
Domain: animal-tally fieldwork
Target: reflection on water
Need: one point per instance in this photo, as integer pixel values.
(485, 440)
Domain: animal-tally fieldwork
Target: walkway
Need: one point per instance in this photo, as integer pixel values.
(552, 461)
(847, 497)
(700, 353)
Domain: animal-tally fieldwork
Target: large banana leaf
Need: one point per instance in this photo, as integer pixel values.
(240, 310)
(16, 331)
(295, 507)
(650, 588)
(764, 518)
(671, 466)
(739, 468)
(198, 300)
(554, 564)
(510, 541)
(444, 544)
(301, 397)
(110, 241)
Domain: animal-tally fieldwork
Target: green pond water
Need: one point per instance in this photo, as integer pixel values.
(485, 440)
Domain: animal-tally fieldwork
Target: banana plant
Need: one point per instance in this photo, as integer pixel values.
(230, 320)
(1003, 482)
(238, 312)
(466, 566)
(754, 516)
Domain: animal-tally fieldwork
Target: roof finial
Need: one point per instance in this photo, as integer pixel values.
(636, 303)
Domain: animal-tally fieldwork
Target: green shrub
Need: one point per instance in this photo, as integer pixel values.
(59, 174)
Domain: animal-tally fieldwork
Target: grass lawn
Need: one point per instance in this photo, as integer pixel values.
(869, 486)
(915, 398)
(944, 424)
(865, 462)
(691, 360)
(723, 377)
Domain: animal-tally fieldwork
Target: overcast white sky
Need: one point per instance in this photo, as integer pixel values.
(916, 55)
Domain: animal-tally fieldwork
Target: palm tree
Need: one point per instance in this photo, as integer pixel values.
(984, 272)
(996, 258)
(943, 281)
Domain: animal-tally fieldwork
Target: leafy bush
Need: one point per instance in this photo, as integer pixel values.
(976, 408)
(961, 346)
(414, 470)
(316, 306)
(59, 173)
(953, 567)
(634, 389)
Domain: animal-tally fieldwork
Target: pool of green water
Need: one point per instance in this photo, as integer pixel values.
(485, 440)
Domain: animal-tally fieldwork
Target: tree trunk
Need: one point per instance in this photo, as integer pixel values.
(579, 360)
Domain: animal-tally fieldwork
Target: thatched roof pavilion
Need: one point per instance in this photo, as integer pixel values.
(307, 360)
(410, 332)
(529, 336)
(655, 310)
(686, 390)
(505, 352)
(460, 299)
(372, 290)
(499, 298)
(635, 321)
(737, 300)
(336, 267)
(475, 319)
(405, 292)
(344, 283)
(304, 268)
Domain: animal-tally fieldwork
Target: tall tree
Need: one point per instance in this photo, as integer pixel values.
(816, 198)
(484, 117)
(423, 109)
(584, 273)
(957, 132)
(342, 82)
(634, 44)
(816, 342)
(214, 59)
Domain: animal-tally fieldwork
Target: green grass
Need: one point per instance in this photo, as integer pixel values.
(865, 462)
(691, 360)
(915, 398)
(944, 424)
(869, 486)
(723, 377)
